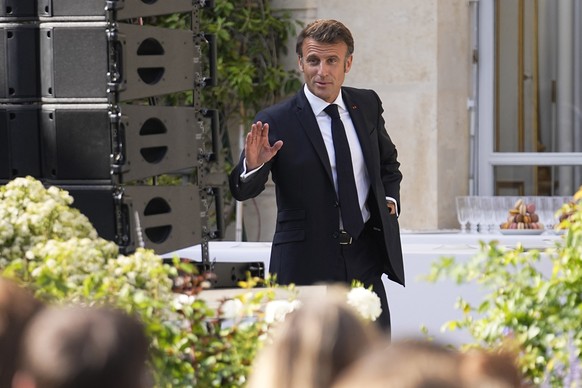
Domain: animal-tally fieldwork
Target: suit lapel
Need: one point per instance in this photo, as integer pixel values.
(308, 122)
(362, 130)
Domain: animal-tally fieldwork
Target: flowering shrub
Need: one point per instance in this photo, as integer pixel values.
(537, 312)
(31, 214)
(54, 250)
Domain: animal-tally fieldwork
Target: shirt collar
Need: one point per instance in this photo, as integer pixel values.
(318, 105)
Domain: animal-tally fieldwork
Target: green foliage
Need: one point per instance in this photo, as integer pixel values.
(251, 38)
(53, 249)
(536, 311)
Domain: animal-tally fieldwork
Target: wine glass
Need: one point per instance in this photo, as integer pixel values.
(545, 212)
(502, 206)
(475, 213)
(462, 203)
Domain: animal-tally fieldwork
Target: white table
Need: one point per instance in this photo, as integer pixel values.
(419, 303)
(471, 240)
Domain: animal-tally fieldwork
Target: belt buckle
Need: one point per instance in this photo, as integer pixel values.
(343, 235)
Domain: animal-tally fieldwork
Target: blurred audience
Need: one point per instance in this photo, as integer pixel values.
(77, 347)
(314, 344)
(424, 364)
(490, 369)
(17, 307)
(405, 364)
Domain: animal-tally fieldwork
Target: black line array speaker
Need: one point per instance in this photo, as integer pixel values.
(101, 9)
(18, 9)
(91, 9)
(80, 82)
(88, 61)
(19, 73)
(130, 142)
(158, 217)
(19, 141)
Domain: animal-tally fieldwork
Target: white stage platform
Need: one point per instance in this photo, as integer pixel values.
(419, 303)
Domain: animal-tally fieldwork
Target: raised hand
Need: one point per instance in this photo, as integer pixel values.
(257, 147)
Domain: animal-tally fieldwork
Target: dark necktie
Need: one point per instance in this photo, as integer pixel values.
(348, 195)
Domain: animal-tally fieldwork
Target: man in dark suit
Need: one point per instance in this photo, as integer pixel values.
(293, 140)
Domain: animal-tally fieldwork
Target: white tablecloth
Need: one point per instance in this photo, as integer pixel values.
(419, 303)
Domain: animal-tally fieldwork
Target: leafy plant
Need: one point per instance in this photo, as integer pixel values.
(53, 249)
(251, 39)
(536, 311)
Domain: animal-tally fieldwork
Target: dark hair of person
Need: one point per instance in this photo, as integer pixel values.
(314, 344)
(325, 31)
(17, 307)
(85, 347)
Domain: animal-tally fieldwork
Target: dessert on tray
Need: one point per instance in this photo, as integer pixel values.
(522, 216)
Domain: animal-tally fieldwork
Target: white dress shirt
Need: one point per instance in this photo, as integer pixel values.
(324, 121)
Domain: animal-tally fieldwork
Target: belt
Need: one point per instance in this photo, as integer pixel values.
(344, 238)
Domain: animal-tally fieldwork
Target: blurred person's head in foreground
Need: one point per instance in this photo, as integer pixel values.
(405, 364)
(425, 364)
(77, 347)
(314, 344)
(17, 307)
(490, 369)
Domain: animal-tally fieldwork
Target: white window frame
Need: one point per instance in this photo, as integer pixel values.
(485, 159)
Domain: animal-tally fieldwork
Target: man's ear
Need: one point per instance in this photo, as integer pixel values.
(348, 64)
(300, 63)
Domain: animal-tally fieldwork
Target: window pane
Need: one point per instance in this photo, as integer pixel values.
(538, 70)
(537, 180)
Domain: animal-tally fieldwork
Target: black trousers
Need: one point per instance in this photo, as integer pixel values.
(361, 260)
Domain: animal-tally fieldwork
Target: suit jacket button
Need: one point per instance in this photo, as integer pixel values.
(336, 204)
(335, 235)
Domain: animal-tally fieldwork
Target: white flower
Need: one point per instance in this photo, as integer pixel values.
(181, 300)
(36, 272)
(231, 309)
(131, 276)
(276, 310)
(366, 302)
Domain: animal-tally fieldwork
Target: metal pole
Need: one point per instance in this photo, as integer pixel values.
(565, 95)
(577, 89)
(471, 103)
(239, 205)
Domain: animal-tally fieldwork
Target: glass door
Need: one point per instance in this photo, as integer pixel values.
(529, 134)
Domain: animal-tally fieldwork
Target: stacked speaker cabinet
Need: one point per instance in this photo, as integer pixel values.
(80, 88)
(19, 89)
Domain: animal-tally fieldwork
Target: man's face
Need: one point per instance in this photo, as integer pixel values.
(324, 67)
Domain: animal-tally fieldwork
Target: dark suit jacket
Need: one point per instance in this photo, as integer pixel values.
(307, 227)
